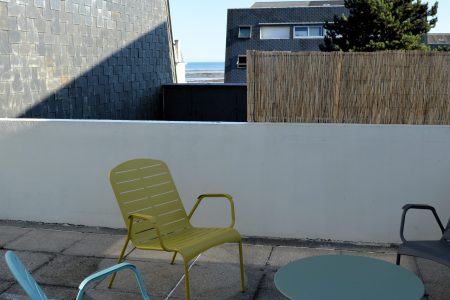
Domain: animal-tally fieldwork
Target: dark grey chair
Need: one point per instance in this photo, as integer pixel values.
(436, 250)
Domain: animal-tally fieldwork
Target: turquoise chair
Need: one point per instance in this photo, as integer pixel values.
(33, 290)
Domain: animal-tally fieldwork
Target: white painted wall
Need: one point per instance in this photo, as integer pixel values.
(339, 182)
(180, 65)
(181, 72)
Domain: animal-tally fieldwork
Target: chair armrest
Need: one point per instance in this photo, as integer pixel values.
(106, 272)
(154, 222)
(227, 196)
(422, 207)
(144, 217)
(418, 206)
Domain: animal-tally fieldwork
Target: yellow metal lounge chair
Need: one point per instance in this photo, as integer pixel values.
(156, 218)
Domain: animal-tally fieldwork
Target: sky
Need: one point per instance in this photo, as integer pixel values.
(200, 25)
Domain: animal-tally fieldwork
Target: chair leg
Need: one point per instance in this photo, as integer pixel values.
(241, 262)
(173, 258)
(398, 259)
(119, 261)
(186, 279)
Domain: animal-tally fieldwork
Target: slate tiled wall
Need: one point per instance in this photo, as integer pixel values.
(255, 17)
(86, 59)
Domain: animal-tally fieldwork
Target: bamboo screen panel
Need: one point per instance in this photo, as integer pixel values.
(395, 87)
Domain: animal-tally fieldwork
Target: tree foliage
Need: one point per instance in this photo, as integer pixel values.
(442, 48)
(374, 25)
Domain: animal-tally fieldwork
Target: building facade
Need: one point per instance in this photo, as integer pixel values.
(438, 40)
(180, 64)
(275, 26)
(84, 59)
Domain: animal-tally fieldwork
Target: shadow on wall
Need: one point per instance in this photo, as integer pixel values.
(126, 85)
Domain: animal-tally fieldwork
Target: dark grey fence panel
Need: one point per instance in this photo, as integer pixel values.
(205, 102)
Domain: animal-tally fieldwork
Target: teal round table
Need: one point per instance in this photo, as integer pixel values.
(347, 277)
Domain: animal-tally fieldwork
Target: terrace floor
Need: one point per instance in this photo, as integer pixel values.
(59, 257)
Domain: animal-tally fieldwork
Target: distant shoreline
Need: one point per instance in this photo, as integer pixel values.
(205, 72)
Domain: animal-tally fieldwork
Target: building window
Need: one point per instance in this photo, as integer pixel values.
(275, 32)
(301, 32)
(245, 32)
(315, 31)
(242, 62)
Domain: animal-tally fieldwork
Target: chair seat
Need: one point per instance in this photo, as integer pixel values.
(191, 242)
(438, 251)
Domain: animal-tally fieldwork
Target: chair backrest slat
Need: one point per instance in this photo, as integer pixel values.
(146, 186)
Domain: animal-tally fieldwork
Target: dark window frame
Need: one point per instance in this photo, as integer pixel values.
(308, 36)
(241, 64)
(240, 36)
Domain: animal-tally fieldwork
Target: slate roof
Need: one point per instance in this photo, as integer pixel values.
(438, 38)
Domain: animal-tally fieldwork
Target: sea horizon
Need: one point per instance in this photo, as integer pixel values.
(208, 65)
(205, 72)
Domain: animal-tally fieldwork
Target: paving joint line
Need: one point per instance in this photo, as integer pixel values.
(53, 255)
(16, 238)
(264, 275)
(34, 270)
(69, 246)
(52, 258)
(9, 285)
(142, 260)
(426, 295)
(114, 258)
(181, 279)
(250, 240)
(269, 256)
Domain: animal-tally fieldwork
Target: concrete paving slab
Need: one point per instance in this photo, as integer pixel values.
(31, 260)
(390, 257)
(254, 255)
(159, 278)
(45, 240)
(406, 261)
(282, 255)
(8, 296)
(110, 245)
(98, 245)
(267, 282)
(52, 292)
(217, 274)
(269, 294)
(10, 233)
(159, 256)
(220, 281)
(437, 291)
(4, 285)
(253, 277)
(433, 272)
(114, 295)
(69, 271)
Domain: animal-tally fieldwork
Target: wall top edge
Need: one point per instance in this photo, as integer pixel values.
(249, 124)
(287, 7)
(87, 121)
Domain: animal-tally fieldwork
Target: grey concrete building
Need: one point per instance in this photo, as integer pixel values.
(279, 26)
(438, 40)
(85, 59)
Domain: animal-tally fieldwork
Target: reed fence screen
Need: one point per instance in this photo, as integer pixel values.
(395, 87)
